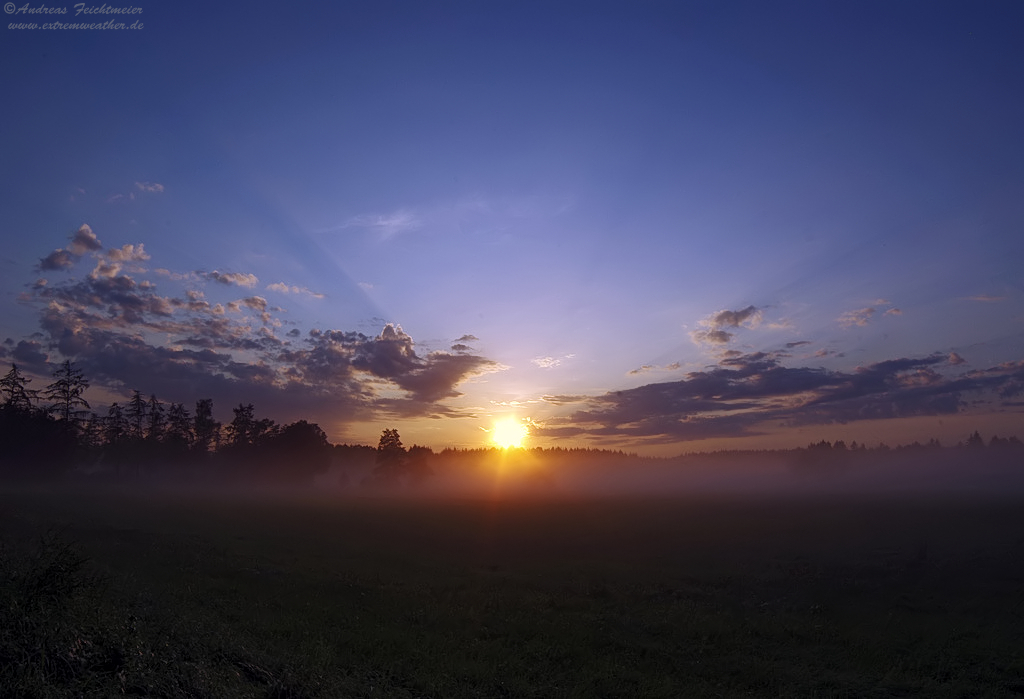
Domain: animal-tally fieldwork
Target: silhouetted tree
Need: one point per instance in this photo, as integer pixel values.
(206, 430)
(298, 450)
(136, 414)
(66, 393)
(91, 434)
(390, 456)
(32, 444)
(115, 426)
(179, 427)
(418, 462)
(16, 395)
(241, 431)
(157, 421)
(975, 441)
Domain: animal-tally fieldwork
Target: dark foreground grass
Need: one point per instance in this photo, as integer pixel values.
(218, 596)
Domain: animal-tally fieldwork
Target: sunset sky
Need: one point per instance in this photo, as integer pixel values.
(652, 226)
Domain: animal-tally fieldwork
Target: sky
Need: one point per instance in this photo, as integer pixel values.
(660, 227)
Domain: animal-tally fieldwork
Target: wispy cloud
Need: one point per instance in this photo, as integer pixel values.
(648, 368)
(387, 225)
(862, 316)
(283, 288)
(551, 362)
(149, 186)
(859, 317)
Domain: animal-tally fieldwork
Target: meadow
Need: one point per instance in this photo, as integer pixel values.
(222, 594)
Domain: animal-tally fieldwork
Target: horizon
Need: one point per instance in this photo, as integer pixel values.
(657, 229)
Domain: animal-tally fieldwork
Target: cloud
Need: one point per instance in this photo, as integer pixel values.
(550, 362)
(565, 399)
(30, 354)
(387, 225)
(283, 288)
(229, 278)
(82, 241)
(127, 253)
(646, 368)
(955, 359)
(749, 316)
(177, 276)
(986, 298)
(746, 394)
(712, 327)
(149, 186)
(56, 260)
(124, 333)
(860, 317)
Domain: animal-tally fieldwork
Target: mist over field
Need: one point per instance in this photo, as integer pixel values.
(589, 474)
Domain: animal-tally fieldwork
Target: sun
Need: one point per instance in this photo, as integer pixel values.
(509, 432)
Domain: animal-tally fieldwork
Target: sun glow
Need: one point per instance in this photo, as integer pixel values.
(509, 432)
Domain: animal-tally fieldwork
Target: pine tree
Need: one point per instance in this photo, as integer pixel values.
(16, 395)
(179, 425)
(115, 426)
(136, 414)
(66, 393)
(206, 429)
(242, 430)
(157, 421)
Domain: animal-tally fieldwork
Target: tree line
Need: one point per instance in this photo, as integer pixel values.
(47, 433)
(44, 433)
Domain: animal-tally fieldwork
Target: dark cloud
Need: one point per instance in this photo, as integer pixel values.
(82, 241)
(564, 399)
(30, 354)
(715, 337)
(230, 278)
(56, 260)
(712, 331)
(734, 319)
(746, 393)
(123, 334)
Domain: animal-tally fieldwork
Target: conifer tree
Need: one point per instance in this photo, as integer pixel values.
(15, 394)
(66, 393)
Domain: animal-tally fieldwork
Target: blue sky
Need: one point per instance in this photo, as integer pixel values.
(652, 226)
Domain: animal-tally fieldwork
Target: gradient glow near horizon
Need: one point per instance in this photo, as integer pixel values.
(658, 227)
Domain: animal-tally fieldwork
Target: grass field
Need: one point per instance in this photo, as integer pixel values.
(316, 596)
